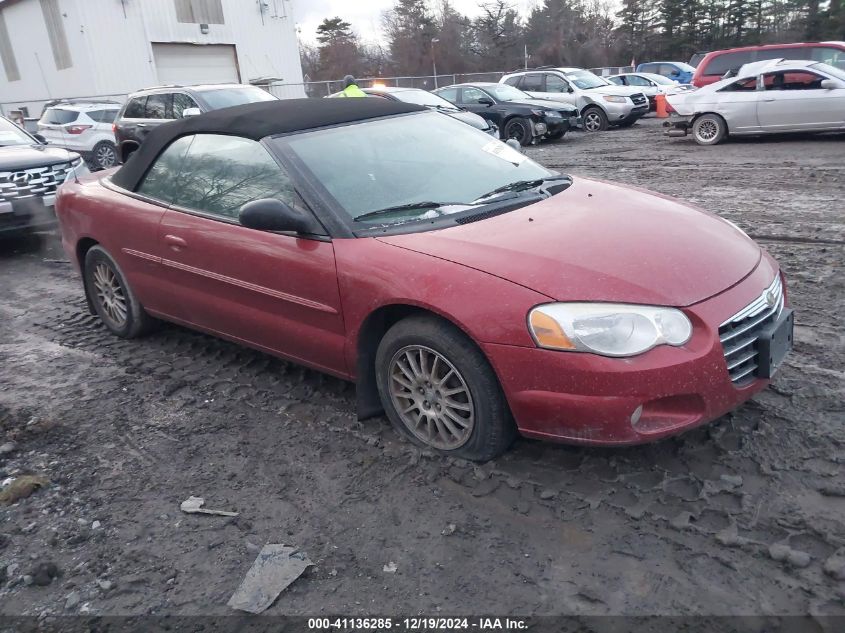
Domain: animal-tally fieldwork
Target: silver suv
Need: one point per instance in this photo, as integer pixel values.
(600, 103)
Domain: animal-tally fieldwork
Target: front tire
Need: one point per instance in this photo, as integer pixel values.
(519, 128)
(439, 390)
(111, 296)
(104, 155)
(594, 119)
(709, 129)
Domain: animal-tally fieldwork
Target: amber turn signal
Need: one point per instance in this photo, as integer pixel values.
(548, 332)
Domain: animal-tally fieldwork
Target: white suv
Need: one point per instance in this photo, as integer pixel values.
(83, 127)
(599, 102)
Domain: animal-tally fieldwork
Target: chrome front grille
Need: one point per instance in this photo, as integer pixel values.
(28, 183)
(638, 99)
(739, 334)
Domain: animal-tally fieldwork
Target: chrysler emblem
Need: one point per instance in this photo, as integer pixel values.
(770, 298)
(21, 179)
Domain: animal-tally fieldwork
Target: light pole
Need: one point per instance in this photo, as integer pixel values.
(434, 41)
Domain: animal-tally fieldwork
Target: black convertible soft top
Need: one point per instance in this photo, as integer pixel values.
(256, 121)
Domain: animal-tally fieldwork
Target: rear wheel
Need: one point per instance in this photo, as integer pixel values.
(104, 155)
(519, 129)
(594, 119)
(709, 129)
(439, 390)
(111, 296)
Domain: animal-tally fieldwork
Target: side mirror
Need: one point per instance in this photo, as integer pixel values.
(191, 112)
(40, 138)
(829, 84)
(269, 214)
(485, 101)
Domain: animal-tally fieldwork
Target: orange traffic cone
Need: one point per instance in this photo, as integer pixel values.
(660, 106)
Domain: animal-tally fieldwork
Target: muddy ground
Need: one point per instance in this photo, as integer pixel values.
(743, 516)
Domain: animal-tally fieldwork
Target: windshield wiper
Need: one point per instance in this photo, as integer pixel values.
(520, 185)
(424, 204)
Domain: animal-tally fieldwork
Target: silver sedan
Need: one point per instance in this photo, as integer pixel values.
(772, 96)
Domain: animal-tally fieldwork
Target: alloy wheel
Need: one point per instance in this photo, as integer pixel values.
(592, 122)
(110, 295)
(105, 156)
(431, 397)
(517, 131)
(707, 130)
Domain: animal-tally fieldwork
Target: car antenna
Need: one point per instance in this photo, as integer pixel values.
(50, 97)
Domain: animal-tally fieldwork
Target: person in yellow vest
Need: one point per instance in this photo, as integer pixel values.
(350, 88)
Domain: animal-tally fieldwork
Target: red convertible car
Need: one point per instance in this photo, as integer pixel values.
(469, 292)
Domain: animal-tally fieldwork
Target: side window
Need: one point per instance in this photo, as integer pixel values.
(160, 180)
(222, 173)
(135, 108)
(103, 116)
(743, 85)
(635, 80)
(668, 70)
(513, 81)
(649, 68)
(450, 94)
(159, 107)
(792, 80)
(833, 56)
(619, 81)
(182, 102)
(721, 64)
(556, 84)
(472, 95)
(532, 83)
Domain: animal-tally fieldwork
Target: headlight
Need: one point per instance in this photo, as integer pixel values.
(609, 329)
(615, 99)
(78, 168)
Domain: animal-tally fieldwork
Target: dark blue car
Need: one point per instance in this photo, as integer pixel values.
(679, 71)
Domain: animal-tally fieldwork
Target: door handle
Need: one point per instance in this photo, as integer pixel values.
(175, 243)
(141, 124)
(769, 99)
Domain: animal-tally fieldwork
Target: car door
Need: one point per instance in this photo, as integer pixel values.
(737, 104)
(793, 100)
(470, 98)
(274, 291)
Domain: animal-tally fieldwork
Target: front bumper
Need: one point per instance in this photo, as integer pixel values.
(28, 213)
(589, 399)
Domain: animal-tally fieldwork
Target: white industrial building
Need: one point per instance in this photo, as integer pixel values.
(63, 49)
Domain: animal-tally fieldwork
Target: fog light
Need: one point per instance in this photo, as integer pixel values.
(635, 416)
(541, 128)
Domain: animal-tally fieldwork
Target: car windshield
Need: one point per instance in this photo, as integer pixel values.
(423, 98)
(11, 134)
(830, 70)
(504, 92)
(421, 158)
(226, 97)
(586, 80)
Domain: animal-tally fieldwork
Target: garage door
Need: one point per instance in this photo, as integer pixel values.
(187, 64)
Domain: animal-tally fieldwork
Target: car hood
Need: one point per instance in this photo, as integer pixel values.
(468, 117)
(598, 241)
(623, 91)
(543, 103)
(26, 156)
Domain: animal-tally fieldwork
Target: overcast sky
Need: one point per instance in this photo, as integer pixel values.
(365, 15)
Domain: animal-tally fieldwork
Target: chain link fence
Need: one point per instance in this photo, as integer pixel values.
(426, 82)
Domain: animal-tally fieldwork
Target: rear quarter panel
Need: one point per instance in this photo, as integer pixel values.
(124, 226)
